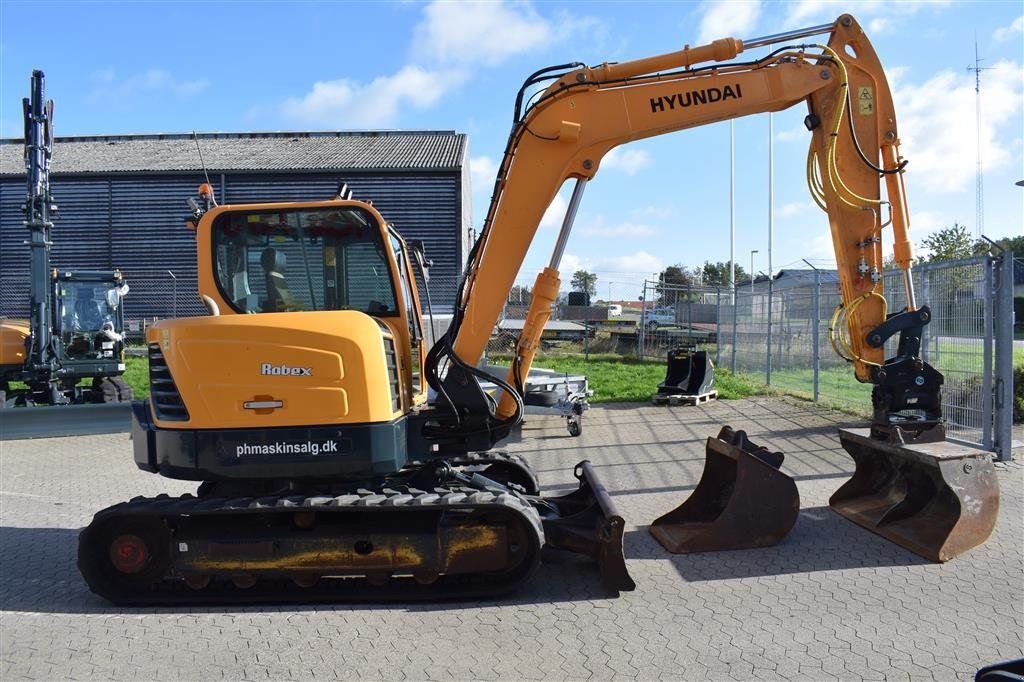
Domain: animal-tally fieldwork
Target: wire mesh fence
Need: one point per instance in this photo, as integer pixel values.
(779, 331)
(776, 331)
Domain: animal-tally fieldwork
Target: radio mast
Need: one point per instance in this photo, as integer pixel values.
(979, 186)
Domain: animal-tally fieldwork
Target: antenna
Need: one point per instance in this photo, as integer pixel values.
(979, 188)
(201, 162)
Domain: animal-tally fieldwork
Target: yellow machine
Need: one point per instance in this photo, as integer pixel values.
(301, 401)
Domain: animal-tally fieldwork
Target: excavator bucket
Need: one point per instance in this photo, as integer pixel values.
(741, 501)
(935, 499)
(688, 378)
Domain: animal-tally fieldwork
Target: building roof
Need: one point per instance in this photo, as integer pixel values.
(245, 152)
(792, 277)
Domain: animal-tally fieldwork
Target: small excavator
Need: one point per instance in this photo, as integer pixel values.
(75, 329)
(340, 459)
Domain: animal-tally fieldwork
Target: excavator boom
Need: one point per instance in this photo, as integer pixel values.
(586, 112)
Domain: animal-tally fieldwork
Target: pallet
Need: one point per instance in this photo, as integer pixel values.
(683, 399)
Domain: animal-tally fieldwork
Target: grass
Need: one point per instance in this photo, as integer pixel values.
(136, 375)
(616, 379)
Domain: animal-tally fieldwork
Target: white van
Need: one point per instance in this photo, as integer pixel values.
(614, 310)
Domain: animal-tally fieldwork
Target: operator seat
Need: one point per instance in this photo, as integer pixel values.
(87, 315)
(279, 297)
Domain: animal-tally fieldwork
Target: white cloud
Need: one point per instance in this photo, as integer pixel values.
(792, 209)
(459, 37)
(797, 134)
(344, 103)
(1007, 32)
(629, 161)
(556, 212)
(879, 16)
(802, 12)
(110, 88)
(937, 125)
(923, 223)
(478, 32)
(569, 264)
(728, 19)
(599, 229)
(653, 212)
(482, 171)
(879, 25)
(639, 261)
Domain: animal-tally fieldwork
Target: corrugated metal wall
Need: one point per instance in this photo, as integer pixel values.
(136, 223)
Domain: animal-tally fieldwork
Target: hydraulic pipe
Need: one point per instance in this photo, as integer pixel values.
(788, 35)
(545, 292)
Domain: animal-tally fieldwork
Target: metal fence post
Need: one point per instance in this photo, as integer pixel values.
(718, 326)
(988, 305)
(771, 305)
(1004, 359)
(815, 335)
(923, 271)
(735, 309)
(640, 326)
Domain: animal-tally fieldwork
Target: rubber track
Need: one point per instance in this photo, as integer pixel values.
(171, 590)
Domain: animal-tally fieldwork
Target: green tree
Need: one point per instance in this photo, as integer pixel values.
(674, 284)
(1015, 244)
(717, 274)
(950, 243)
(584, 281)
(520, 295)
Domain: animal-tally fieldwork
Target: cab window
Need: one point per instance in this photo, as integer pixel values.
(323, 258)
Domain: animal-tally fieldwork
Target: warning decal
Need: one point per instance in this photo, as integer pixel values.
(865, 100)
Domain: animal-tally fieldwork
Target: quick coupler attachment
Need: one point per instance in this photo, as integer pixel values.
(936, 499)
(586, 522)
(741, 501)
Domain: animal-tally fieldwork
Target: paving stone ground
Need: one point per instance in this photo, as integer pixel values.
(831, 601)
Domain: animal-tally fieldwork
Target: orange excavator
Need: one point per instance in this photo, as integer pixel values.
(340, 459)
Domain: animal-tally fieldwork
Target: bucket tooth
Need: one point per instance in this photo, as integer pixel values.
(936, 499)
(741, 501)
(588, 523)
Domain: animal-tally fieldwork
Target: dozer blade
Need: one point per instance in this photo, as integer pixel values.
(935, 499)
(587, 522)
(741, 501)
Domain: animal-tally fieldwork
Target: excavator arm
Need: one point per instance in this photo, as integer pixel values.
(585, 112)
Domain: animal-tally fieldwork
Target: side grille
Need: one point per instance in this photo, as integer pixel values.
(389, 355)
(163, 394)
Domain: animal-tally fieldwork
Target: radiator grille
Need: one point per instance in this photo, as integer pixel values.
(163, 394)
(389, 355)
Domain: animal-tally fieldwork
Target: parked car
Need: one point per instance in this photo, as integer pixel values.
(653, 318)
(614, 310)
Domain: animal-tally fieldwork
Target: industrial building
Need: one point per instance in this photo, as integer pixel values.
(122, 200)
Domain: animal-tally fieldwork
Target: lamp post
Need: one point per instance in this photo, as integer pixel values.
(752, 268)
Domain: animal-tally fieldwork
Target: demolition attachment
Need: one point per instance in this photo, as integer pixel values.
(741, 501)
(688, 379)
(935, 499)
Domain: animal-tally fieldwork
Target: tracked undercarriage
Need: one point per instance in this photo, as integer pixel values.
(433, 532)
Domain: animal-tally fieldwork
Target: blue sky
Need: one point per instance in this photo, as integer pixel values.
(146, 67)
